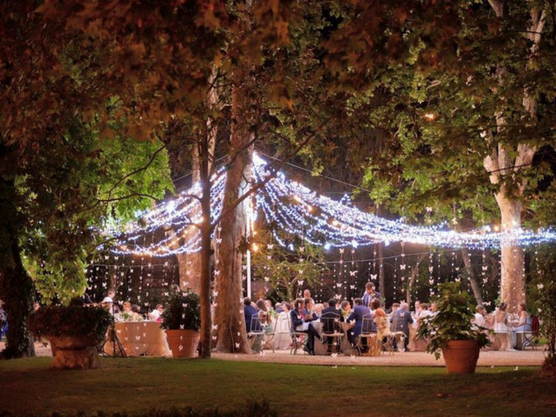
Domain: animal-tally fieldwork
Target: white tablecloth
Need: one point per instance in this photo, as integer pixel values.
(140, 338)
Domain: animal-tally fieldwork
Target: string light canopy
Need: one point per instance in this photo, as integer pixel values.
(299, 211)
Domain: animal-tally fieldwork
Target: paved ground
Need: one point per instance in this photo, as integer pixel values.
(486, 358)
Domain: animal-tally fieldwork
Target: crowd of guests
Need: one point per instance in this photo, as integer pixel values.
(130, 312)
(302, 315)
(508, 326)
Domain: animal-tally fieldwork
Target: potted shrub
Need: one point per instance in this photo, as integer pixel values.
(182, 321)
(451, 330)
(73, 331)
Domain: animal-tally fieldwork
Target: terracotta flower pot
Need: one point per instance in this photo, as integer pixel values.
(183, 343)
(461, 356)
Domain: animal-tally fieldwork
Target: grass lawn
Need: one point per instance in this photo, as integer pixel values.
(135, 385)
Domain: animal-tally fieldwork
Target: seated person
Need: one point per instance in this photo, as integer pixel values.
(309, 310)
(156, 313)
(265, 317)
(318, 309)
(345, 306)
(524, 324)
(333, 312)
(130, 313)
(249, 311)
(479, 317)
(401, 320)
(301, 323)
(381, 319)
(136, 313)
(501, 326)
(359, 311)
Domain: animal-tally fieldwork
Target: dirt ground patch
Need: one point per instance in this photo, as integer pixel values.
(486, 358)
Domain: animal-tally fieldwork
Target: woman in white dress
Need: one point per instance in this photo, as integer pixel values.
(282, 339)
(501, 325)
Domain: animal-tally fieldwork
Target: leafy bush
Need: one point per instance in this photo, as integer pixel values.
(452, 320)
(182, 312)
(70, 321)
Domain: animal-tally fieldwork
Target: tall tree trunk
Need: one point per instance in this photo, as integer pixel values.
(206, 253)
(512, 259)
(190, 264)
(472, 278)
(500, 164)
(16, 286)
(231, 333)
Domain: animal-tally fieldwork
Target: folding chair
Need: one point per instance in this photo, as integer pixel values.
(367, 333)
(256, 333)
(331, 329)
(524, 340)
(269, 334)
(398, 337)
(298, 338)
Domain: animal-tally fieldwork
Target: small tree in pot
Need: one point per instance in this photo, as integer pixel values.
(73, 331)
(452, 331)
(182, 321)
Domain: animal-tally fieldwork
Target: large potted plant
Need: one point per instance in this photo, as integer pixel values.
(182, 321)
(73, 331)
(452, 331)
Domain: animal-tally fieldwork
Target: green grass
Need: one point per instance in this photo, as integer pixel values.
(135, 385)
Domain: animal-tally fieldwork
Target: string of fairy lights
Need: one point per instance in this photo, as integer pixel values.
(299, 211)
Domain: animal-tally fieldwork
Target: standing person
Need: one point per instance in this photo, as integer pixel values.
(156, 313)
(401, 320)
(307, 294)
(369, 294)
(108, 301)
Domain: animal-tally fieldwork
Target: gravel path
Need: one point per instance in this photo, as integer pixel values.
(486, 358)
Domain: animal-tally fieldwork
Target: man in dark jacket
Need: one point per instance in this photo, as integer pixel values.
(357, 315)
(330, 318)
(369, 294)
(249, 311)
(401, 320)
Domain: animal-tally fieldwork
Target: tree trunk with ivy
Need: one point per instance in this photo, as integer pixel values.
(16, 286)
